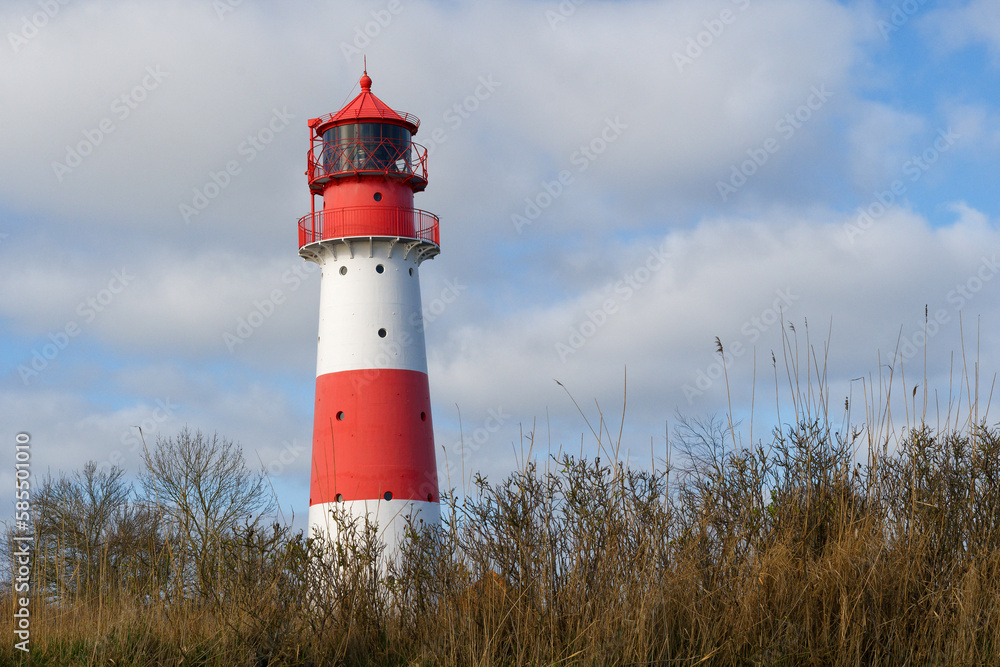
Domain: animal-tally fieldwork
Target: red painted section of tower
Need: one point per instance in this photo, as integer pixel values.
(358, 192)
(372, 434)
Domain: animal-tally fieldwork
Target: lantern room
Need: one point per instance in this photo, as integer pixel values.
(366, 138)
(364, 164)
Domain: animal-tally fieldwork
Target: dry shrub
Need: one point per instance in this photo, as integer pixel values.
(817, 546)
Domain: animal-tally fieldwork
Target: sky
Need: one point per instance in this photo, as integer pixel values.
(619, 185)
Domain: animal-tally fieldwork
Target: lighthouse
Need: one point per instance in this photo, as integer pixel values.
(373, 443)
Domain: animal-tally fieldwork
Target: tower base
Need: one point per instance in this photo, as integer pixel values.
(390, 516)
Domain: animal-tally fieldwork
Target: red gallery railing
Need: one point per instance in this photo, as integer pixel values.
(365, 221)
(328, 160)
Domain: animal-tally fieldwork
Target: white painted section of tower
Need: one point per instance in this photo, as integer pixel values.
(389, 515)
(355, 304)
(356, 300)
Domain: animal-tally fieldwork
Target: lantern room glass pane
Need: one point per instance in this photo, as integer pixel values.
(367, 147)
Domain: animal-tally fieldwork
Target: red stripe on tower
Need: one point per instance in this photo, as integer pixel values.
(373, 441)
(381, 426)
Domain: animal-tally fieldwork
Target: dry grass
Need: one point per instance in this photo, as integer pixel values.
(817, 546)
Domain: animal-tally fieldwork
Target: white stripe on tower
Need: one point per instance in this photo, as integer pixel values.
(361, 296)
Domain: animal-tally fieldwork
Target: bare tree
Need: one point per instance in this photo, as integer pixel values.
(203, 488)
(93, 537)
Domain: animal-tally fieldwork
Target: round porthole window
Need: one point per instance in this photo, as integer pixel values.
(382, 333)
(379, 269)
(388, 495)
(343, 270)
(378, 196)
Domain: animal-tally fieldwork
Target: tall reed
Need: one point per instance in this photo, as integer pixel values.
(826, 544)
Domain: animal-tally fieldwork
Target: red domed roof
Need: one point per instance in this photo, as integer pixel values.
(368, 107)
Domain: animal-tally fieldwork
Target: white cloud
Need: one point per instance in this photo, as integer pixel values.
(881, 140)
(549, 91)
(212, 303)
(956, 27)
(725, 278)
(221, 80)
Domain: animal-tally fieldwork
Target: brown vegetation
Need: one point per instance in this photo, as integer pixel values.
(816, 546)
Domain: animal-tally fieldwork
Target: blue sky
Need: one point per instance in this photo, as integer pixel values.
(607, 126)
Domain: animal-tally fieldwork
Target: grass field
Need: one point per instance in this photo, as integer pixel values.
(820, 544)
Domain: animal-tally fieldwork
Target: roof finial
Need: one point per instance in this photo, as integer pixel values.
(366, 81)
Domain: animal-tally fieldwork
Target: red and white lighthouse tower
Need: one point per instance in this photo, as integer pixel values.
(373, 444)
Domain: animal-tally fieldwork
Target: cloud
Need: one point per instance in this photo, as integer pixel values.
(167, 303)
(631, 256)
(219, 87)
(653, 306)
(977, 21)
(726, 278)
(881, 140)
